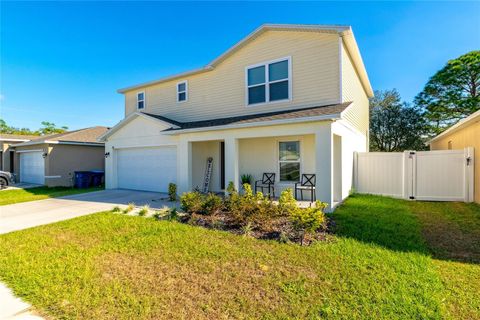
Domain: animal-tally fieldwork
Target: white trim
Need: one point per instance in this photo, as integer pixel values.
(32, 143)
(145, 146)
(52, 177)
(267, 82)
(186, 91)
(33, 150)
(129, 118)
(144, 100)
(340, 68)
(458, 125)
(21, 140)
(335, 116)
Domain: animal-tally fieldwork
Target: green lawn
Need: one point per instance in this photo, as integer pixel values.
(386, 262)
(39, 193)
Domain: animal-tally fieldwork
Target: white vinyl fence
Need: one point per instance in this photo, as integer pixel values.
(445, 175)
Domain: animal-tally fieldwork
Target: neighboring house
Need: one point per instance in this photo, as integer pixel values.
(287, 99)
(51, 160)
(7, 154)
(465, 133)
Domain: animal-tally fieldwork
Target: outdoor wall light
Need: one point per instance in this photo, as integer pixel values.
(107, 154)
(44, 155)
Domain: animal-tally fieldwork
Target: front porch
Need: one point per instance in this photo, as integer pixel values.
(309, 149)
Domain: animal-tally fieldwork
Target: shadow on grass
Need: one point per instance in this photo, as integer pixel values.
(423, 227)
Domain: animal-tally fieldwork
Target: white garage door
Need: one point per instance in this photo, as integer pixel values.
(149, 169)
(32, 167)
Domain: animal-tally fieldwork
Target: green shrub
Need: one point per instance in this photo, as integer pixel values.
(247, 229)
(246, 178)
(211, 204)
(172, 214)
(144, 210)
(116, 209)
(308, 220)
(231, 188)
(287, 203)
(129, 208)
(172, 192)
(191, 202)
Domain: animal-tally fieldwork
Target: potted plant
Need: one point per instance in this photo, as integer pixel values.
(246, 178)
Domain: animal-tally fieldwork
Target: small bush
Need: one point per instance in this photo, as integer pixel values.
(116, 209)
(144, 210)
(211, 204)
(191, 202)
(231, 188)
(129, 208)
(247, 229)
(308, 220)
(287, 203)
(172, 215)
(246, 178)
(172, 192)
(157, 215)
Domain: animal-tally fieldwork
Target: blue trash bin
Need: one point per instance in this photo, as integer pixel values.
(82, 179)
(97, 177)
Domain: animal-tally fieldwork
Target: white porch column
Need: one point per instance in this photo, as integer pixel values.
(184, 166)
(231, 162)
(323, 164)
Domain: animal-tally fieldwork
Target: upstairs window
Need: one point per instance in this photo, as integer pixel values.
(269, 82)
(182, 94)
(140, 100)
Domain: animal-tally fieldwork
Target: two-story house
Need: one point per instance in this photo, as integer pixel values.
(287, 99)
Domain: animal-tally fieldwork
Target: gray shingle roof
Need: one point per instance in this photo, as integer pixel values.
(259, 117)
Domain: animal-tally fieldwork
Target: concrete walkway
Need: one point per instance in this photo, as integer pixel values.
(30, 214)
(34, 213)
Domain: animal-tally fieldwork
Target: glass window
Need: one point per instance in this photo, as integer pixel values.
(279, 91)
(289, 160)
(278, 71)
(140, 100)
(182, 91)
(268, 82)
(256, 94)
(256, 76)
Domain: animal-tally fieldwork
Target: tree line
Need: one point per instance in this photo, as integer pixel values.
(450, 95)
(46, 128)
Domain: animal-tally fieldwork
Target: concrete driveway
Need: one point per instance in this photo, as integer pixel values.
(34, 213)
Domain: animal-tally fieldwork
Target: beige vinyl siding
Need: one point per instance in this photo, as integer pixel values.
(221, 92)
(352, 90)
(467, 136)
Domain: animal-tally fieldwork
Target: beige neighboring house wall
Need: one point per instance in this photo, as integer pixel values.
(464, 134)
(6, 151)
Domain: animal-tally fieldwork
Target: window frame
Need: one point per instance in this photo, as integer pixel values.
(267, 82)
(179, 92)
(299, 161)
(144, 100)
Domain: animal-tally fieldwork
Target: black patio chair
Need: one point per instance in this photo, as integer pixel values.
(267, 182)
(307, 183)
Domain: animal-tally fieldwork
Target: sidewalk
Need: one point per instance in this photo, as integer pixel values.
(13, 308)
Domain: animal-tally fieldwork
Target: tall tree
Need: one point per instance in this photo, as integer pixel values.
(4, 128)
(452, 93)
(395, 125)
(50, 127)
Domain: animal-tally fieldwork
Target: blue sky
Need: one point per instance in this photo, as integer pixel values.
(64, 61)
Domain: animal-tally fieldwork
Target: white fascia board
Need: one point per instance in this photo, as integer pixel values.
(14, 140)
(256, 124)
(32, 150)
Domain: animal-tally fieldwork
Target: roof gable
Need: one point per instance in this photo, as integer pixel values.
(343, 31)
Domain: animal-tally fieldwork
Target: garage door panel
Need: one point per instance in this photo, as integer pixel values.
(149, 169)
(32, 167)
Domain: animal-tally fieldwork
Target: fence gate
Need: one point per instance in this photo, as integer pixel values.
(444, 175)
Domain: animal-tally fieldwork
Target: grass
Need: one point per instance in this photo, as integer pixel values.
(39, 193)
(382, 264)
